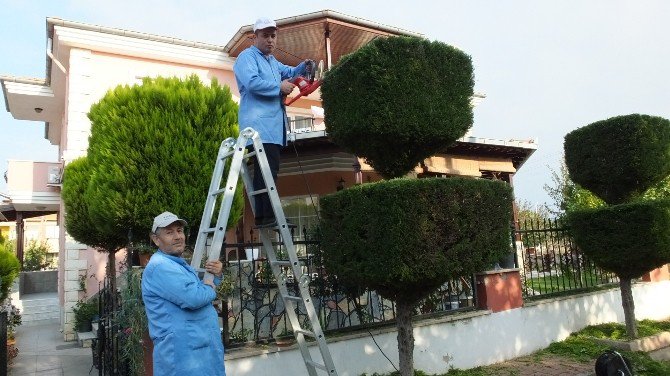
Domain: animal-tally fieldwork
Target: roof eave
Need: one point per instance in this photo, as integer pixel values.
(323, 14)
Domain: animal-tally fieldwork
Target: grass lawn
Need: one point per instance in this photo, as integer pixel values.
(578, 349)
(554, 283)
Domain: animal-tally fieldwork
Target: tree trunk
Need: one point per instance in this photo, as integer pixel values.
(628, 307)
(111, 273)
(405, 338)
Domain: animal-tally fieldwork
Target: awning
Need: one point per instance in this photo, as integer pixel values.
(311, 36)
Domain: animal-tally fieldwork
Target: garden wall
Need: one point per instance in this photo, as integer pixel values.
(38, 282)
(463, 340)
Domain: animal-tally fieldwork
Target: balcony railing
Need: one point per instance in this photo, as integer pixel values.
(305, 125)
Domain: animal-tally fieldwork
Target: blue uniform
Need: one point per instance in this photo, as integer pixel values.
(261, 107)
(183, 324)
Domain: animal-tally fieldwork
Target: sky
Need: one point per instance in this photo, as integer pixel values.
(546, 67)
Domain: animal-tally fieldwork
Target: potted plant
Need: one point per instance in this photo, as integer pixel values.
(84, 312)
(145, 251)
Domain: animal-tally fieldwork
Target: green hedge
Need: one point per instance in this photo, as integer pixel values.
(627, 239)
(405, 237)
(9, 270)
(399, 100)
(619, 158)
(153, 148)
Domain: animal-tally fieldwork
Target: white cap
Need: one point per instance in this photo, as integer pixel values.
(264, 23)
(165, 219)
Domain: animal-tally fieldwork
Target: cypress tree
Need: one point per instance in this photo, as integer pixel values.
(152, 149)
(395, 102)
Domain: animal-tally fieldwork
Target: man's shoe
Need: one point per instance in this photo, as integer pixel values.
(265, 223)
(271, 222)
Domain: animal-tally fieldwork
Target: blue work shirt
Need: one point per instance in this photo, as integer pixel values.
(261, 104)
(183, 323)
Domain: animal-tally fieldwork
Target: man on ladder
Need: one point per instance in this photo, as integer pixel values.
(263, 82)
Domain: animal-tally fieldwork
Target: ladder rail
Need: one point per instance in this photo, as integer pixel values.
(226, 204)
(235, 149)
(208, 212)
(298, 274)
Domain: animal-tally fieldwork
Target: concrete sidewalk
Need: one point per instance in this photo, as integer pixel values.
(42, 351)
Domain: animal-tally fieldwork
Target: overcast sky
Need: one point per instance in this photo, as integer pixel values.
(546, 67)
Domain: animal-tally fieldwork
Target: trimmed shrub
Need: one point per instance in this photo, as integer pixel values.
(406, 237)
(611, 236)
(618, 159)
(153, 148)
(9, 270)
(78, 222)
(399, 100)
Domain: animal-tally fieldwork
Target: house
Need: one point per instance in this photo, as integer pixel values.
(84, 61)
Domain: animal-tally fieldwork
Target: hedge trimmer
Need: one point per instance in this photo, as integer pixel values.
(307, 83)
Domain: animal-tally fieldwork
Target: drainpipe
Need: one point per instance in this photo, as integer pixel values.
(19, 237)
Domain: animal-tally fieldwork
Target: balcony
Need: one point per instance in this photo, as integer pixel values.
(32, 188)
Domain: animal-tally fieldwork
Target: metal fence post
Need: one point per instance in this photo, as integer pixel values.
(3, 342)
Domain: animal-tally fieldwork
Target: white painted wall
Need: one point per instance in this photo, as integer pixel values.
(466, 340)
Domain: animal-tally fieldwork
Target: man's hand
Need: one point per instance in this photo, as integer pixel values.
(210, 283)
(214, 267)
(286, 87)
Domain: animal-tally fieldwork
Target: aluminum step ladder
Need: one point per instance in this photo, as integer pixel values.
(235, 151)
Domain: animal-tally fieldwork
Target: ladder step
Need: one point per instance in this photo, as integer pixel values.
(218, 192)
(228, 153)
(306, 332)
(317, 365)
(258, 192)
(210, 230)
(294, 298)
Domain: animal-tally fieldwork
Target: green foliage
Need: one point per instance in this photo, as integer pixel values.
(152, 148)
(8, 245)
(620, 158)
(228, 284)
(659, 191)
(405, 237)
(35, 257)
(416, 373)
(568, 195)
(9, 270)
(13, 320)
(78, 221)
(399, 100)
(84, 312)
(611, 236)
(132, 320)
(580, 346)
(617, 331)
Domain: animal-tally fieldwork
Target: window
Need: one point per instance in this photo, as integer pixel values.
(301, 212)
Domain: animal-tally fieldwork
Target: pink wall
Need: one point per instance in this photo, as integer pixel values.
(29, 176)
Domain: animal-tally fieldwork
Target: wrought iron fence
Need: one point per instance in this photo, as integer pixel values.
(551, 263)
(105, 346)
(255, 311)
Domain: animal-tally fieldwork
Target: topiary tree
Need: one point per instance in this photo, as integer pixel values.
(152, 148)
(396, 102)
(626, 156)
(78, 221)
(620, 158)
